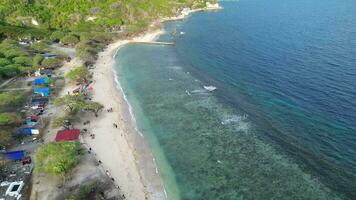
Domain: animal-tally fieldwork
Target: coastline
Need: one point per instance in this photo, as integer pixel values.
(124, 151)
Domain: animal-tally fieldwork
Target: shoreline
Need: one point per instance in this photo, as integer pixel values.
(140, 178)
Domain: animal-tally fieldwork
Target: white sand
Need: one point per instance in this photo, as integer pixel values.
(121, 150)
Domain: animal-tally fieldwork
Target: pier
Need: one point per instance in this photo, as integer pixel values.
(156, 43)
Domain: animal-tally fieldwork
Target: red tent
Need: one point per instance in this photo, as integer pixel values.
(67, 135)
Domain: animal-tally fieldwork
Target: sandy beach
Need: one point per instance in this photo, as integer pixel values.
(122, 151)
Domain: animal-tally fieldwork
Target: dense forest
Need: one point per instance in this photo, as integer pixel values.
(85, 15)
(86, 24)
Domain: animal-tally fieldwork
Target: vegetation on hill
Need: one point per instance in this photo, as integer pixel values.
(16, 58)
(86, 24)
(85, 15)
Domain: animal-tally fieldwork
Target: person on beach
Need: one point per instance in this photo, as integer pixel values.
(115, 125)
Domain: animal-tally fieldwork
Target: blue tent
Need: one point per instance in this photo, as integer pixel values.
(24, 131)
(40, 81)
(41, 91)
(14, 155)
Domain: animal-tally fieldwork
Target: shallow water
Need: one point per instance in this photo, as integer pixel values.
(281, 123)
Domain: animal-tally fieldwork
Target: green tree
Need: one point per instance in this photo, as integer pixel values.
(4, 62)
(79, 74)
(70, 39)
(93, 106)
(7, 119)
(58, 158)
(57, 36)
(51, 62)
(12, 53)
(10, 70)
(59, 121)
(77, 103)
(40, 47)
(88, 55)
(73, 103)
(36, 61)
(27, 61)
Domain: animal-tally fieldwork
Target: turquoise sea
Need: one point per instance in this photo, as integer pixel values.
(281, 123)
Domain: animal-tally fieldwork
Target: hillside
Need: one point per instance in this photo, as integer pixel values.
(86, 24)
(85, 15)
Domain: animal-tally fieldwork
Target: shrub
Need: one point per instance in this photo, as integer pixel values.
(56, 36)
(40, 47)
(11, 99)
(7, 119)
(5, 138)
(58, 158)
(70, 40)
(36, 61)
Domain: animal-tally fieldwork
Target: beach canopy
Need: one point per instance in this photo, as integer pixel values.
(67, 135)
(14, 155)
(41, 81)
(41, 91)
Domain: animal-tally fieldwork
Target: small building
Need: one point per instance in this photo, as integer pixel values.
(14, 189)
(67, 135)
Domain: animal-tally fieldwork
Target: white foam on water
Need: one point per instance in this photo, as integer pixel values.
(175, 67)
(188, 93)
(239, 121)
(119, 87)
(233, 119)
(199, 92)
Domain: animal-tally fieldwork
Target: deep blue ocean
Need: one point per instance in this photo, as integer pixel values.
(281, 123)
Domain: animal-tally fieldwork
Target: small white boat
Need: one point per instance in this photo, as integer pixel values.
(210, 88)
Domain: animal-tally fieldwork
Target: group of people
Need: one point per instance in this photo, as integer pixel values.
(106, 171)
(90, 149)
